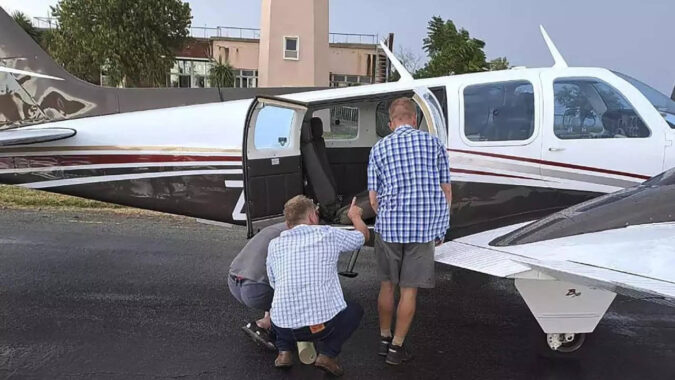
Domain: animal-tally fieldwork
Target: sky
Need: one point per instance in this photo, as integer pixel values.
(633, 37)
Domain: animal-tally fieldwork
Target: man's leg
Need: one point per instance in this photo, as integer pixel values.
(385, 307)
(285, 342)
(343, 324)
(259, 296)
(404, 314)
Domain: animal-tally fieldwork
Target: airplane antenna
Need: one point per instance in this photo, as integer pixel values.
(402, 71)
(559, 61)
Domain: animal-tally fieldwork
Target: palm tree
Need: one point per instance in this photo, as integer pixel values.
(24, 22)
(221, 74)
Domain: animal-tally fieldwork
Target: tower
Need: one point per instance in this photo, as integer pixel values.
(294, 43)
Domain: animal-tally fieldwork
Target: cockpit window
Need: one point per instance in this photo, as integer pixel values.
(592, 109)
(661, 102)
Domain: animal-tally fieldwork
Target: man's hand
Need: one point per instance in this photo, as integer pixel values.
(354, 214)
(354, 211)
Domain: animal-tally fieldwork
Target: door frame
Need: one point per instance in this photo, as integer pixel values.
(297, 105)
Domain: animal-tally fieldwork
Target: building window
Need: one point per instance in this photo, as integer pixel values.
(343, 80)
(591, 109)
(245, 78)
(292, 48)
(499, 111)
(190, 73)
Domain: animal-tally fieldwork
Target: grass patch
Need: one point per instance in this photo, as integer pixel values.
(19, 197)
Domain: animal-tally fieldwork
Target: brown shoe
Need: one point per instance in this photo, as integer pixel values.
(329, 365)
(284, 359)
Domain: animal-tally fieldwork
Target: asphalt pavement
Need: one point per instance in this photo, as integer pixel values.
(109, 296)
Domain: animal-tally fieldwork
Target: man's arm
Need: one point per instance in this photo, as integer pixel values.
(372, 181)
(372, 196)
(447, 190)
(354, 214)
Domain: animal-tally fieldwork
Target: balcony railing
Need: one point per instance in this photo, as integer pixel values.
(234, 32)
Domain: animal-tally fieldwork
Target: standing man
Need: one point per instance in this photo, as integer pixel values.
(248, 282)
(409, 189)
(308, 303)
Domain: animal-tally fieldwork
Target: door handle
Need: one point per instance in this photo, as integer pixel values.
(556, 149)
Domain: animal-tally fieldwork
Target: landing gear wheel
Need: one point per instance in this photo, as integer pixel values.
(565, 343)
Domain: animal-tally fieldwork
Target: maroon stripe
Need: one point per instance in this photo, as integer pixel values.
(491, 174)
(552, 163)
(95, 159)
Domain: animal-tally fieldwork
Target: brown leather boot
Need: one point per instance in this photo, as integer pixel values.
(284, 359)
(329, 365)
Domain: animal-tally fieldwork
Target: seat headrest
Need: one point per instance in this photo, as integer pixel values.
(306, 132)
(317, 127)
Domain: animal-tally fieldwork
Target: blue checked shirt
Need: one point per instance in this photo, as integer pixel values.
(302, 268)
(406, 169)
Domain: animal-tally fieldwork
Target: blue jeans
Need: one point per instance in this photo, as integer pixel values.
(330, 339)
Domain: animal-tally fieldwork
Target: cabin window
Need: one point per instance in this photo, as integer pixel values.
(292, 48)
(592, 109)
(273, 128)
(339, 122)
(499, 111)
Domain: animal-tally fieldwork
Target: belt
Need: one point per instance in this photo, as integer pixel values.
(237, 279)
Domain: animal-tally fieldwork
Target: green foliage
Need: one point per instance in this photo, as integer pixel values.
(25, 24)
(500, 63)
(454, 51)
(451, 51)
(221, 75)
(134, 41)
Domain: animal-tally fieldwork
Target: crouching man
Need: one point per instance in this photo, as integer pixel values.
(248, 282)
(308, 303)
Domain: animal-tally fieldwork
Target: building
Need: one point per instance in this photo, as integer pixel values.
(292, 48)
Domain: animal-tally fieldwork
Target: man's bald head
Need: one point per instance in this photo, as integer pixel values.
(402, 111)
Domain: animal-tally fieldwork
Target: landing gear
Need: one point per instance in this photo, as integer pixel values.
(565, 343)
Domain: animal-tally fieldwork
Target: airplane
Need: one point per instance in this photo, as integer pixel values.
(523, 143)
(570, 265)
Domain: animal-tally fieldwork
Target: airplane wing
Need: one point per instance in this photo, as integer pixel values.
(23, 136)
(635, 261)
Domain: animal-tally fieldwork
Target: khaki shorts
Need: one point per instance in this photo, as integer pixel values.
(410, 265)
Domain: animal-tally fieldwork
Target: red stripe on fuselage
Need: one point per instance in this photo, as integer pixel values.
(463, 171)
(552, 163)
(20, 162)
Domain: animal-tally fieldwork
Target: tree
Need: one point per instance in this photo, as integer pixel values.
(134, 40)
(221, 75)
(411, 61)
(25, 24)
(500, 63)
(453, 51)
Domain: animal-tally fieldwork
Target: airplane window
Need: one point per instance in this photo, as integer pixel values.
(344, 122)
(273, 128)
(662, 103)
(499, 111)
(591, 109)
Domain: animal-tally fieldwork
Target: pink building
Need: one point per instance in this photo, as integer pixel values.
(292, 48)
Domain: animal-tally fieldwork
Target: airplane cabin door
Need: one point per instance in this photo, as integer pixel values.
(433, 113)
(272, 160)
(594, 138)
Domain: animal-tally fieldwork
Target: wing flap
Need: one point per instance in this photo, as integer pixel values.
(479, 259)
(24, 136)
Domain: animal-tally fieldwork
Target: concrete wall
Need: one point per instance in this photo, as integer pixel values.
(243, 53)
(350, 59)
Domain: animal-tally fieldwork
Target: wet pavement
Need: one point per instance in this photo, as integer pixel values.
(102, 295)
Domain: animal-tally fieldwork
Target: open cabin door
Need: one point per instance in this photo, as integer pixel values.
(272, 160)
(433, 113)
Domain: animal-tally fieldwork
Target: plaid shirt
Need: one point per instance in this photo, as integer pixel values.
(302, 268)
(406, 169)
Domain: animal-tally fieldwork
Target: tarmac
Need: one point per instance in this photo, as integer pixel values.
(110, 296)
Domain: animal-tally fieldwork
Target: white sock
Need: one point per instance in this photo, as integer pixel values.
(397, 341)
(385, 333)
